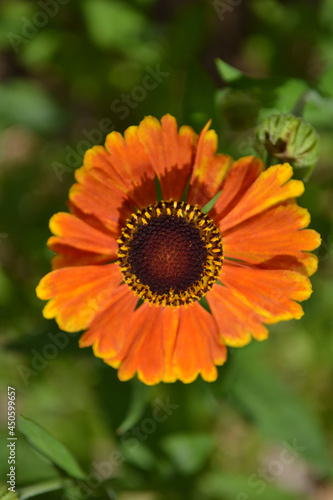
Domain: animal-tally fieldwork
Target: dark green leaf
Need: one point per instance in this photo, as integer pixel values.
(274, 409)
(46, 444)
(189, 452)
(137, 406)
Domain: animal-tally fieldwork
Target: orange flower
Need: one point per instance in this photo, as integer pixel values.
(132, 270)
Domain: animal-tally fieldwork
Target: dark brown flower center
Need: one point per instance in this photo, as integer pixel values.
(170, 254)
(167, 254)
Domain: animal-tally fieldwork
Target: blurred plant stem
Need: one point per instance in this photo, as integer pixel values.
(58, 484)
(38, 489)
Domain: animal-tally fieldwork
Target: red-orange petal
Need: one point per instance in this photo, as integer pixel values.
(209, 169)
(163, 344)
(170, 152)
(149, 353)
(170, 332)
(89, 219)
(143, 350)
(133, 171)
(108, 331)
(276, 232)
(271, 293)
(77, 294)
(237, 321)
(72, 232)
(198, 348)
(94, 195)
(69, 257)
(239, 178)
(273, 186)
(125, 165)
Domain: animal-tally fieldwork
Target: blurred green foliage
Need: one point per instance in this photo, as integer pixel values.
(70, 75)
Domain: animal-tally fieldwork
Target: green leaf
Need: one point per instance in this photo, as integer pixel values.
(275, 410)
(325, 83)
(211, 203)
(142, 456)
(217, 485)
(26, 103)
(198, 99)
(319, 111)
(238, 107)
(187, 34)
(137, 406)
(248, 100)
(189, 452)
(41, 49)
(11, 15)
(50, 447)
(114, 23)
(227, 73)
(288, 96)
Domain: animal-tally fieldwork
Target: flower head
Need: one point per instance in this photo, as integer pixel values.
(132, 269)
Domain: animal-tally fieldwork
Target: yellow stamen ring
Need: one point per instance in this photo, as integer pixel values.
(170, 253)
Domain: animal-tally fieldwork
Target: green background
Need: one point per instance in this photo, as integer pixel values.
(67, 77)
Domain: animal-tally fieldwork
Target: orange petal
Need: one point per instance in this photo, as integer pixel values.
(95, 196)
(89, 219)
(69, 257)
(109, 329)
(78, 294)
(143, 348)
(164, 344)
(133, 170)
(270, 188)
(198, 347)
(70, 231)
(209, 169)
(239, 178)
(125, 165)
(149, 346)
(307, 264)
(236, 320)
(276, 232)
(170, 153)
(170, 332)
(271, 293)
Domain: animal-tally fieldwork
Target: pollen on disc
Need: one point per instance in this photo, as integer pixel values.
(167, 254)
(170, 254)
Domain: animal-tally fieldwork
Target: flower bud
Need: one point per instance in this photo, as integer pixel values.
(288, 139)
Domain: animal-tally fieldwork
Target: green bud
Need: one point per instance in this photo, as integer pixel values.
(288, 138)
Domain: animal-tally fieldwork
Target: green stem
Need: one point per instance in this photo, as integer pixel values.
(298, 109)
(38, 489)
